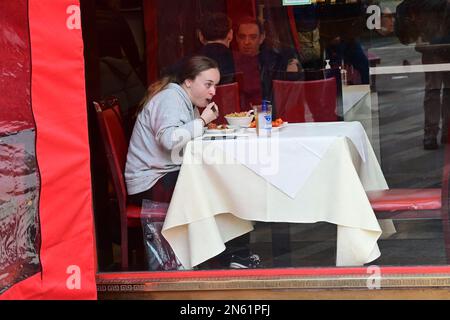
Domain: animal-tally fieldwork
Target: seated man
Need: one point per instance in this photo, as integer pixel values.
(216, 33)
(257, 62)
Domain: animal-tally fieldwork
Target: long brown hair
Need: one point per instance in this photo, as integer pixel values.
(190, 68)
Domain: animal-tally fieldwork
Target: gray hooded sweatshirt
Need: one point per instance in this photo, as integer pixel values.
(163, 128)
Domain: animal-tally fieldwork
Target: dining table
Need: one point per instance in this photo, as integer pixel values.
(302, 173)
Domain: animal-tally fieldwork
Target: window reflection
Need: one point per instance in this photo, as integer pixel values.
(19, 175)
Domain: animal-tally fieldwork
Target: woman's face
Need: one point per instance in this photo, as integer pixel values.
(203, 87)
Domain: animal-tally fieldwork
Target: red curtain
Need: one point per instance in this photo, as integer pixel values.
(59, 106)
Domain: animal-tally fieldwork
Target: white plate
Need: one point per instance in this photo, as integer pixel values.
(219, 131)
(273, 128)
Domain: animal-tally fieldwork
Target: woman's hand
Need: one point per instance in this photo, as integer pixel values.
(210, 113)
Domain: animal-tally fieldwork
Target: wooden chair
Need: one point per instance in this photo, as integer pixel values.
(407, 204)
(116, 147)
(293, 98)
(227, 98)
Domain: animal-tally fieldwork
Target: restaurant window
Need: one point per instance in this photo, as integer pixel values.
(359, 96)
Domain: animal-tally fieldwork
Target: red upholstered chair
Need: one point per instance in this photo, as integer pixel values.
(293, 98)
(227, 98)
(431, 203)
(289, 98)
(116, 147)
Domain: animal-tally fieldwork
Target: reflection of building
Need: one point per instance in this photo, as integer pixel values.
(19, 175)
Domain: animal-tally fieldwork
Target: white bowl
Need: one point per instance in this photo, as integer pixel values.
(239, 121)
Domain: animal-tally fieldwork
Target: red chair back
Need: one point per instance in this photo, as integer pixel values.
(321, 99)
(116, 147)
(294, 98)
(227, 98)
(293, 28)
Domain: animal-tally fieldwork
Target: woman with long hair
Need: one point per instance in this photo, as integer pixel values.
(167, 120)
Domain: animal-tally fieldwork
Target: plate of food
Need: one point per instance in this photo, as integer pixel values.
(276, 125)
(221, 128)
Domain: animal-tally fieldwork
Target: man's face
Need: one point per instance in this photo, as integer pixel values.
(249, 39)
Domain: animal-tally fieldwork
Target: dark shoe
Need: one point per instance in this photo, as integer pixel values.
(430, 143)
(250, 262)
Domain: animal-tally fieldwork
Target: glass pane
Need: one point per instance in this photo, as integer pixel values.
(321, 108)
(411, 91)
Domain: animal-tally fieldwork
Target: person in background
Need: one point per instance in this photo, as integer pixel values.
(308, 23)
(257, 62)
(115, 37)
(215, 32)
(349, 53)
(340, 39)
(427, 22)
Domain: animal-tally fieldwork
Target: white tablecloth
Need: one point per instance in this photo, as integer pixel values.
(276, 159)
(216, 200)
